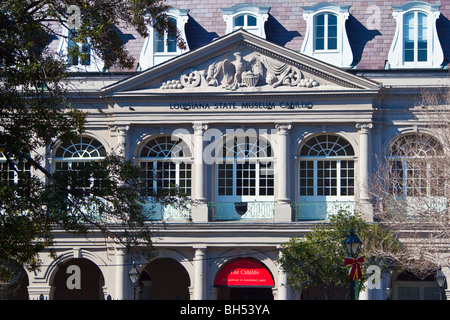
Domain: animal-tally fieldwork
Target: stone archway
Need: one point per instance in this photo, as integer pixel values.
(78, 279)
(164, 279)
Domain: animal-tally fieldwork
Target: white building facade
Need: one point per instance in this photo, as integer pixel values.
(267, 141)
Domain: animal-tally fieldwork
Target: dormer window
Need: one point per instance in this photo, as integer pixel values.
(246, 21)
(415, 37)
(416, 42)
(73, 58)
(84, 59)
(159, 48)
(246, 16)
(325, 33)
(166, 43)
(326, 36)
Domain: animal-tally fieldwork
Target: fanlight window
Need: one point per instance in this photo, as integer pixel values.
(326, 167)
(73, 156)
(165, 164)
(412, 173)
(245, 168)
(415, 145)
(80, 149)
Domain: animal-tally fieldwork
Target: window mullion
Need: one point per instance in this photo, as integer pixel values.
(325, 31)
(338, 178)
(405, 177)
(416, 36)
(315, 185)
(257, 177)
(235, 184)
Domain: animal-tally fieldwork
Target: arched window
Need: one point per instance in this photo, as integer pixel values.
(11, 170)
(73, 155)
(245, 169)
(407, 286)
(165, 164)
(325, 31)
(415, 36)
(167, 42)
(245, 21)
(326, 168)
(411, 171)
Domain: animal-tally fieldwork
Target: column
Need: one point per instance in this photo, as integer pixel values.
(121, 279)
(200, 273)
(200, 208)
(122, 140)
(282, 207)
(282, 279)
(364, 169)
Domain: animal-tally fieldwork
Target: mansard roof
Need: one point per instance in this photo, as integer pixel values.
(370, 26)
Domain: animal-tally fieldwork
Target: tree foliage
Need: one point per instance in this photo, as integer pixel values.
(35, 113)
(318, 258)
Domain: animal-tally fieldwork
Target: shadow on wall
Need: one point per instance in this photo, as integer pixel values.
(196, 35)
(276, 33)
(443, 30)
(358, 36)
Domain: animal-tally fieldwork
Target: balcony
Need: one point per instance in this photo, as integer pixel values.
(417, 208)
(155, 211)
(242, 211)
(319, 210)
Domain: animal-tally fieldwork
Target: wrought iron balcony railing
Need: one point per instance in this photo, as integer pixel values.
(242, 211)
(319, 210)
(156, 211)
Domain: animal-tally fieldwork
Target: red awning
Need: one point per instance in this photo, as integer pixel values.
(244, 273)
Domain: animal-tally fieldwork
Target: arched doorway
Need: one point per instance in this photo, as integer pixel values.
(164, 279)
(407, 286)
(78, 279)
(244, 279)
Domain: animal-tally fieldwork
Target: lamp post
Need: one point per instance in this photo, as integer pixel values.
(134, 276)
(352, 245)
(440, 278)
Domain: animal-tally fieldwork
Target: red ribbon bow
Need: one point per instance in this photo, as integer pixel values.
(355, 272)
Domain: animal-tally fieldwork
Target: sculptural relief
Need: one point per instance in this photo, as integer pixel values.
(236, 72)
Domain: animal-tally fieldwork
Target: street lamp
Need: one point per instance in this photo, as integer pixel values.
(352, 244)
(440, 278)
(134, 276)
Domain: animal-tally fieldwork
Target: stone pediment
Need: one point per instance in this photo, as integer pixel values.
(240, 62)
(243, 70)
